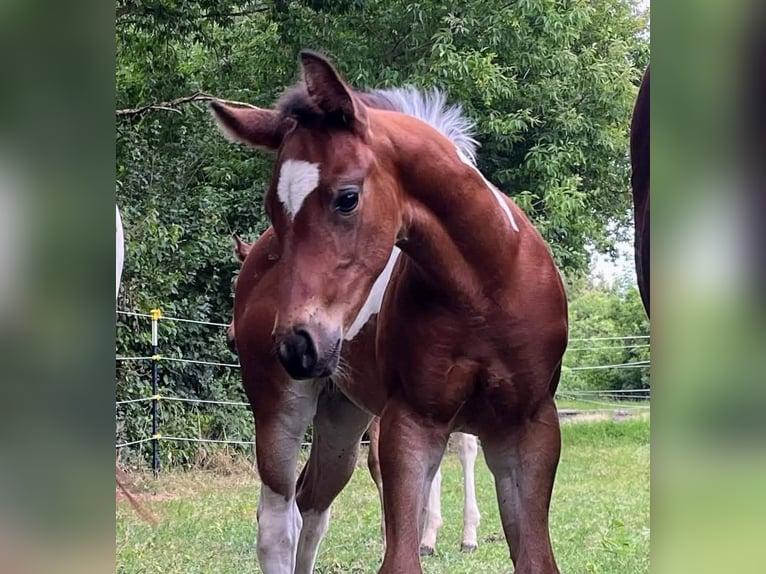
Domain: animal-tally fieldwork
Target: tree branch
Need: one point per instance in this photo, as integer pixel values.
(171, 105)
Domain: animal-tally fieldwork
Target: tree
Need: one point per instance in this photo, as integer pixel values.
(615, 315)
(550, 85)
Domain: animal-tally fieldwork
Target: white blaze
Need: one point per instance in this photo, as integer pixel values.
(498, 196)
(297, 179)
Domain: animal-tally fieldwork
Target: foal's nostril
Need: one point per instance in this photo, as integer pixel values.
(298, 354)
(305, 349)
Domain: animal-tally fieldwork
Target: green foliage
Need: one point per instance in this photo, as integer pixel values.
(549, 83)
(606, 311)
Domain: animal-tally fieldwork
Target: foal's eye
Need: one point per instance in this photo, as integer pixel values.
(347, 201)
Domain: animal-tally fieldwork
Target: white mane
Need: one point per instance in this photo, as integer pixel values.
(431, 107)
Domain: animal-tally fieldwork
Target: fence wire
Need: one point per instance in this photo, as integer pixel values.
(590, 397)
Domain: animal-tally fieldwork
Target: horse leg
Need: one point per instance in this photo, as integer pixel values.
(524, 463)
(411, 448)
(373, 464)
(433, 516)
(280, 427)
(467, 450)
(338, 428)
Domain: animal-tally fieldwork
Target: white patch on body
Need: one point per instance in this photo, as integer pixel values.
(496, 192)
(375, 298)
(315, 526)
(297, 179)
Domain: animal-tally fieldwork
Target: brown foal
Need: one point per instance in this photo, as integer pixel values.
(469, 336)
(466, 447)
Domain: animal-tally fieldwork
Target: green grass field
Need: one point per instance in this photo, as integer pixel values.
(599, 515)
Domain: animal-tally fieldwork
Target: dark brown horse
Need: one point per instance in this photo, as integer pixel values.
(469, 336)
(639, 155)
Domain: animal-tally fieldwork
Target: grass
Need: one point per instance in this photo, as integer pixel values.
(599, 515)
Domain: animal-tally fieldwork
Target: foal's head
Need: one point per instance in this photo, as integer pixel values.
(333, 204)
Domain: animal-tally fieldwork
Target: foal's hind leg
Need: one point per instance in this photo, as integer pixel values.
(524, 463)
(433, 520)
(373, 464)
(467, 450)
(338, 428)
(411, 448)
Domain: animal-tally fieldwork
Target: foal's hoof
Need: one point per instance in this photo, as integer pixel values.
(426, 551)
(468, 548)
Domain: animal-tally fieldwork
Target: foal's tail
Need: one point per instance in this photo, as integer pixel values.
(122, 479)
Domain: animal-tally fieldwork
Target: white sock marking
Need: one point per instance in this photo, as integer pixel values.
(279, 527)
(498, 196)
(375, 298)
(467, 451)
(297, 179)
(433, 512)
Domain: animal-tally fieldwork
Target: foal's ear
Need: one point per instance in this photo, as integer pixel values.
(241, 249)
(328, 90)
(253, 126)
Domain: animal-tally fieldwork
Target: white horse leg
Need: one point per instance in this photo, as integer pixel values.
(433, 520)
(279, 434)
(467, 450)
(279, 526)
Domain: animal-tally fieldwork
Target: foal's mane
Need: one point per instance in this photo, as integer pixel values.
(428, 106)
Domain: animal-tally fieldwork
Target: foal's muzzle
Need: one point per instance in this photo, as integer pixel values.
(298, 353)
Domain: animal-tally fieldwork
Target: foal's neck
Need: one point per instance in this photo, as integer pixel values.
(457, 227)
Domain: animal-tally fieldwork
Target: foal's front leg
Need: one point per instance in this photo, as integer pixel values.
(338, 428)
(281, 424)
(411, 448)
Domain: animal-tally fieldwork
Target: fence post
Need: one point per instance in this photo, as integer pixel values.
(156, 314)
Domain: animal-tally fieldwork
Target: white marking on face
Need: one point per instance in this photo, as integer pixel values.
(297, 179)
(496, 192)
(375, 298)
